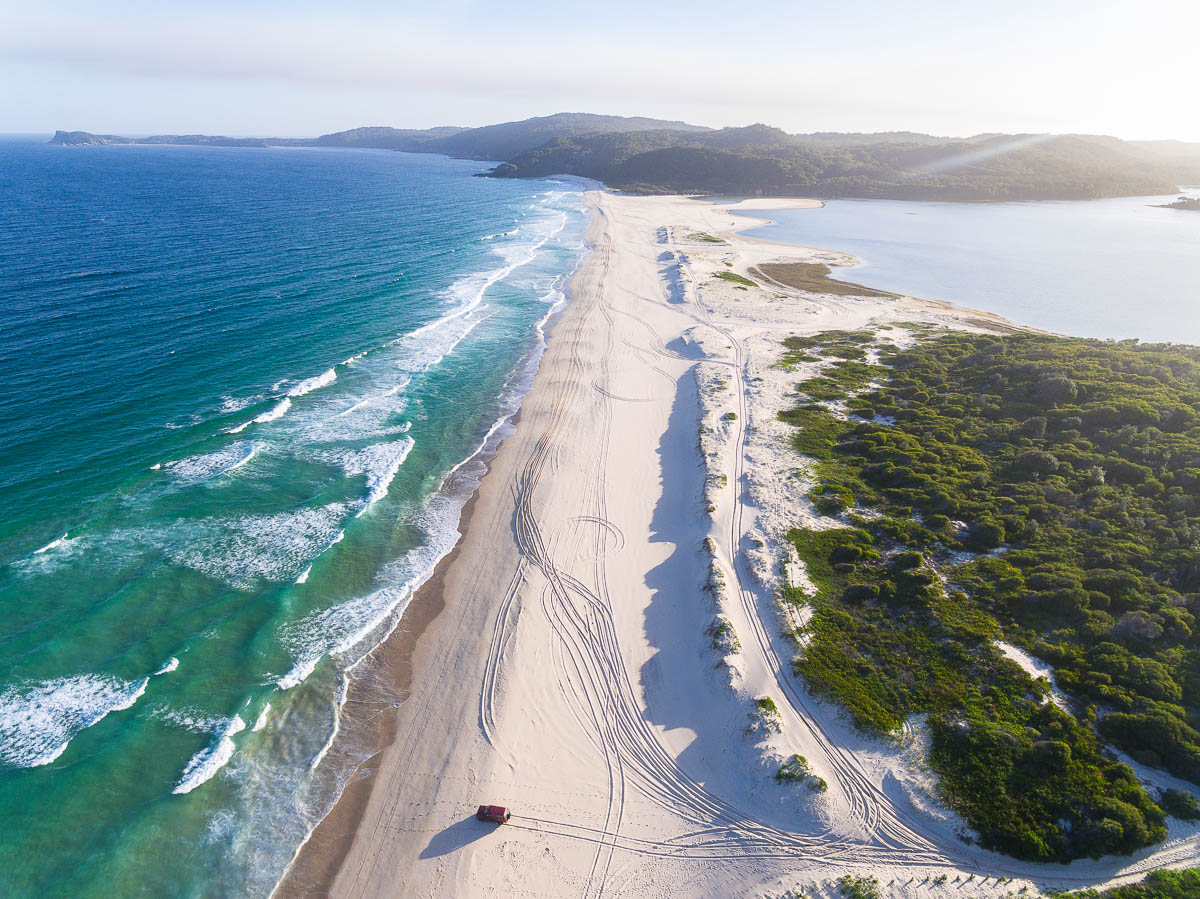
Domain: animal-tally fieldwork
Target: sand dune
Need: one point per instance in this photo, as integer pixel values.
(569, 675)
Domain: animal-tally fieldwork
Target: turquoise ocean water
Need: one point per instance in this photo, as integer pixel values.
(239, 390)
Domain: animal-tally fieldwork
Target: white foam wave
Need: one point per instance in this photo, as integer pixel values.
(300, 672)
(370, 400)
(169, 665)
(511, 233)
(343, 630)
(378, 482)
(208, 761)
(308, 385)
(370, 416)
(53, 544)
(38, 720)
(343, 686)
(53, 556)
(261, 721)
(210, 465)
(241, 551)
(230, 404)
(379, 462)
(192, 719)
(277, 411)
(303, 578)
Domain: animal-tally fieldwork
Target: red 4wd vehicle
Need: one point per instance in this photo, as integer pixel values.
(497, 814)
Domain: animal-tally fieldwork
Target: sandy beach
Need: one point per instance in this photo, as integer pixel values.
(561, 660)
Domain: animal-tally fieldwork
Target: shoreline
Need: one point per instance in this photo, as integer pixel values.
(849, 261)
(316, 861)
(530, 569)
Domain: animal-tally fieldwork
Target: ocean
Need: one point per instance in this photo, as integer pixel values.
(242, 394)
(1116, 269)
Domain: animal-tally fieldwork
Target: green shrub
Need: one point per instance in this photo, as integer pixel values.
(1180, 804)
(852, 887)
(1076, 466)
(735, 279)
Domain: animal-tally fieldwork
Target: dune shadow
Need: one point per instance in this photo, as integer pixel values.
(672, 275)
(684, 682)
(679, 609)
(686, 349)
(456, 836)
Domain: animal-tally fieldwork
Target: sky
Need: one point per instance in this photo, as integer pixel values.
(303, 68)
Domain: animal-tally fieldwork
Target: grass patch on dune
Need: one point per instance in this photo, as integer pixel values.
(734, 278)
(852, 887)
(1180, 884)
(817, 430)
(796, 770)
(828, 344)
(840, 380)
(813, 277)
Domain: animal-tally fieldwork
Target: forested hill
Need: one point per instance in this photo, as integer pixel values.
(762, 160)
(657, 156)
(489, 142)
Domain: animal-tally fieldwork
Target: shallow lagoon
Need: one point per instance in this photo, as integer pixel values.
(1101, 268)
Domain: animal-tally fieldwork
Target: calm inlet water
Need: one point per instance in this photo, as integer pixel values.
(237, 392)
(1101, 268)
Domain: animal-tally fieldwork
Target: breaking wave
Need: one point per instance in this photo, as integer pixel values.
(39, 720)
(277, 411)
(308, 385)
(207, 762)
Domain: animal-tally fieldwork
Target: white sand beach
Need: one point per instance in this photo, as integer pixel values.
(571, 675)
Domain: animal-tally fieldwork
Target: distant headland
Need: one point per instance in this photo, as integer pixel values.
(644, 155)
(1190, 203)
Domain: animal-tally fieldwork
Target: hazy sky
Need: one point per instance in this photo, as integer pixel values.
(303, 68)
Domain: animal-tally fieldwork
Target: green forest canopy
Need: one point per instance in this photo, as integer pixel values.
(763, 160)
(1040, 490)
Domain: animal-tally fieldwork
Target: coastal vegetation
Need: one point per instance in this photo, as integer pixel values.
(852, 887)
(1165, 884)
(796, 770)
(1037, 490)
(765, 718)
(814, 278)
(1191, 204)
(734, 278)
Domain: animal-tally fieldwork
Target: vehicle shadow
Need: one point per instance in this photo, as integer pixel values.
(456, 836)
